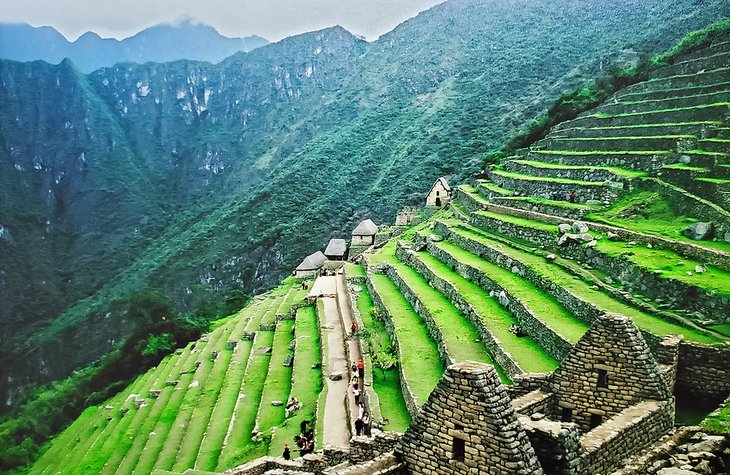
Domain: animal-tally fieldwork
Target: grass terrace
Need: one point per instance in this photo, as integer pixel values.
(622, 172)
(385, 383)
(564, 181)
(278, 379)
(524, 222)
(583, 289)
(420, 360)
(306, 382)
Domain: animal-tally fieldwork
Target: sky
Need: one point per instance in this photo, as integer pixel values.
(271, 19)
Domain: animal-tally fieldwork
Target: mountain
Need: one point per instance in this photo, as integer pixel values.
(160, 43)
(197, 179)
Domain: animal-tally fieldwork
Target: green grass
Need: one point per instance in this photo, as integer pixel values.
(671, 265)
(684, 166)
(602, 152)
(658, 111)
(386, 384)
(278, 380)
(545, 201)
(718, 422)
(584, 290)
(306, 381)
(392, 406)
(564, 181)
(545, 307)
(494, 188)
(322, 399)
(722, 329)
(460, 337)
(555, 166)
(524, 222)
(354, 270)
(420, 358)
(716, 181)
(525, 351)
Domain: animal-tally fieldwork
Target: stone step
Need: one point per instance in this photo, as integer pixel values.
(632, 143)
(623, 106)
(714, 145)
(694, 65)
(714, 76)
(625, 95)
(709, 112)
(697, 129)
(572, 172)
(543, 187)
(630, 160)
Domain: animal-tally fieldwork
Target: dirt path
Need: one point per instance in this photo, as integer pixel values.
(353, 344)
(336, 432)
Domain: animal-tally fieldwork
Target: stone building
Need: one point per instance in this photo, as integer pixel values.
(336, 250)
(364, 233)
(440, 193)
(468, 425)
(310, 265)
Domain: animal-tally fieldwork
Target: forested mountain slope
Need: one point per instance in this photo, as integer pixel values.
(195, 178)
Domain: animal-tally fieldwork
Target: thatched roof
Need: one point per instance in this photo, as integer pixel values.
(366, 228)
(444, 182)
(312, 262)
(336, 247)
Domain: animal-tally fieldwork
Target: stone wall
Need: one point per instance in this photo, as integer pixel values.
(468, 425)
(547, 188)
(534, 236)
(410, 399)
(536, 401)
(364, 449)
(500, 356)
(567, 212)
(587, 173)
(549, 339)
(703, 372)
(556, 444)
(607, 447)
(527, 382)
(608, 370)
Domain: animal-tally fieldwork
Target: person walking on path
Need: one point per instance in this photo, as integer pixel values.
(361, 369)
(356, 392)
(358, 427)
(287, 453)
(571, 197)
(353, 328)
(366, 424)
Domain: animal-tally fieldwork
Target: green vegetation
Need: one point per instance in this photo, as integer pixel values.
(420, 359)
(719, 421)
(583, 289)
(623, 172)
(306, 382)
(516, 220)
(525, 351)
(386, 383)
(564, 181)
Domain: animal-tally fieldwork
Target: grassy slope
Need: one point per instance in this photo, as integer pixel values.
(306, 381)
(557, 275)
(420, 358)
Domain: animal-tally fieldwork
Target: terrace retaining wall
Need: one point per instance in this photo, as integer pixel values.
(586, 191)
(555, 345)
(408, 396)
(703, 372)
(500, 356)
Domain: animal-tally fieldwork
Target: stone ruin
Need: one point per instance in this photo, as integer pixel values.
(606, 404)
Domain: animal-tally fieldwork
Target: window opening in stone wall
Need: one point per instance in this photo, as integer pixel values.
(602, 378)
(567, 415)
(596, 420)
(458, 449)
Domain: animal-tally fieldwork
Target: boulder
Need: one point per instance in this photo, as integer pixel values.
(675, 471)
(194, 384)
(551, 257)
(154, 393)
(288, 361)
(727, 236)
(712, 443)
(592, 244)
(231, 345)
(699, 231)
(277, 403)
(579, 227)
(335, 376)
(594, 202)
(568, 239)
(585, 237)
(612, 236)
(700, 269)
(503, 299)
(564, 228)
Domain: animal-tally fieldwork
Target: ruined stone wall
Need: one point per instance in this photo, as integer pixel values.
(362, 240)
(410, 400)
(607, 447)
(527, 382)
(556, 444)
(704, 372)
(569, 213)
(471, 405)
(363, 449)
(613, 346)
(529, 234)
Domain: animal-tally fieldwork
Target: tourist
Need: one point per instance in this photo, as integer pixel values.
(287, 453)
(354, 368)
(361, 370)
(356, 392)
(361, 410)
(571, 197)
(353, 328)
(358, 426)
(304, 285)
(366, 424)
